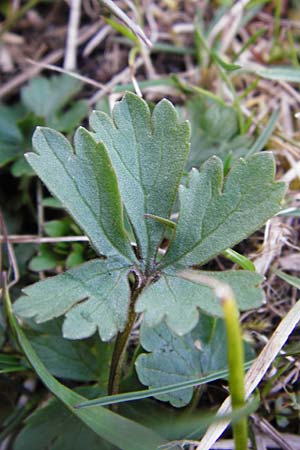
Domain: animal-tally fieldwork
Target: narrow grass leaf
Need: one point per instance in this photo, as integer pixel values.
(250, 42)
(262, 140)
(240, 260)
(280, 73)
(293, 281)
(118, 430)
(152, 392)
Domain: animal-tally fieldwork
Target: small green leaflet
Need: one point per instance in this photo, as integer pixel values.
(148, 154)
(45, 96)
(10, 136)
(85, 182)
(214, 131)
(93, 296)
(178, 301)
(215, 214)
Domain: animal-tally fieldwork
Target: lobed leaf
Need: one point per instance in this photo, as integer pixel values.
(85, 182)
(86, 360)
(47, 96)
(148, 154)
(173, 359)
(11, 138)
(93, 296)
(178, 301)
(68, 120)
(214, 131)
(216, 214)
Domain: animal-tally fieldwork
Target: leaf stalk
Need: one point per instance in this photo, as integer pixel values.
(119, 353)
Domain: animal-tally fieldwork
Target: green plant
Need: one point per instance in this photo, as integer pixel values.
(18, 122)
(120, 185)
(215, 128)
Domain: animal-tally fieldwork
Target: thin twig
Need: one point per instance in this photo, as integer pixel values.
(40, 208)
(34, 239)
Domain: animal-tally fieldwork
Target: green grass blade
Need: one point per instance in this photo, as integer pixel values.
(280, 73)
(122, 29)
(265, 135)
(290, 212)
(139, 395)
(293, 281)
(239, 259)
(293, 49)
(167, 81)
(229, 67)
(249, 42)
(119, 431)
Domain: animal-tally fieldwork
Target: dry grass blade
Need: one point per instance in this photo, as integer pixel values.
(13, 266)
(227, 19)
(124, 18)
(256, 372)
(53, 57)
(82, 78)
(70, 61)
(267, 429)
(34, 239)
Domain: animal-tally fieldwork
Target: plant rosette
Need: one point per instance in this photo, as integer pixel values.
(120, 183)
